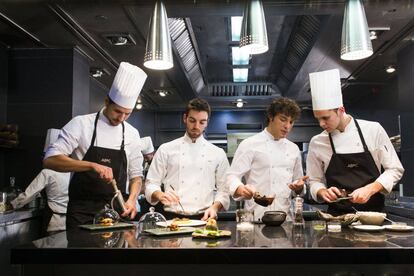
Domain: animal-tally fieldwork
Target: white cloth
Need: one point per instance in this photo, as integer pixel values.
(76, 136)
(127, 85)
(146, 145)
(326, 90)
(378, 143)
(56, 185)
(270, 166)
(195, 170)
(51, 137)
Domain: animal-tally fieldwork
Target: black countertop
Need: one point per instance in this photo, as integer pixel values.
(13, 216)
(264, 245)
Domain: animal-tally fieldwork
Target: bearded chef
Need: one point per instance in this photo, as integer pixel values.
(346, 158)
(101, 147)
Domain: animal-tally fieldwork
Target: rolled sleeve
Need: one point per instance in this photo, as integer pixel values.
(135, 159)
(315, 171)
(388, 158)
(68, 139)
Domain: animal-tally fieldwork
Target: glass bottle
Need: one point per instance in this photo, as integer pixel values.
(298, 211)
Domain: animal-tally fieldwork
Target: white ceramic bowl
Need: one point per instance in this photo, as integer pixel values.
(372, 218)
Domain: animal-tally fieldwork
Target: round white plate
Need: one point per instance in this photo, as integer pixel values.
(371, 228)
(192, 222)
(405, 228)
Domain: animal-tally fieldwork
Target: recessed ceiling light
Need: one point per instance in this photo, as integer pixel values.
(390, 69)
(96, 72)
(139, 106)
(163, 93)
(239, 103)
(120, 39)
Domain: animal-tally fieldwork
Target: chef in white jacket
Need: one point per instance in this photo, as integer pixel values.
(99, 148)
(269, 162)
(56, 187)
(191, 169)
(348, 155)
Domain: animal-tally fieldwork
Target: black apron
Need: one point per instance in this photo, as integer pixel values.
(351, 171)
(87, 193)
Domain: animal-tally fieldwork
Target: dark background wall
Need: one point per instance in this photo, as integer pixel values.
(3, 102)
(41, 95)
(406, 96)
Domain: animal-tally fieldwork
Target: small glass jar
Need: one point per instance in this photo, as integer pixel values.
(334, 226)
(319, 225)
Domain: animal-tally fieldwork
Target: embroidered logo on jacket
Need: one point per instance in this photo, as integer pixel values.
(106, 160)
(352, 165)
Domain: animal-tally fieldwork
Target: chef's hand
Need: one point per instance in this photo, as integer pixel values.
(210, 213)
(363, 194)
(245, 191)
(131, 209)
(169, 198)
(104, 172)
(297, 186)
(329, 194)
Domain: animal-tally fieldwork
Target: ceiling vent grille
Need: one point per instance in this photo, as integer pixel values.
(181, 37)
(234, 90)
(300, 43)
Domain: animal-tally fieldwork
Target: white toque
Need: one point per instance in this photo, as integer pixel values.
(127, 85)
(146, 145)
(326, 90)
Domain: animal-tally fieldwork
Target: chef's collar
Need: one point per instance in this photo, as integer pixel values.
(271, 137)
(199, 140)
(103, 117)
(349, 126)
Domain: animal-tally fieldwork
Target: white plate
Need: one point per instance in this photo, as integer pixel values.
(405, 228)
(366, 227)
(191, 222)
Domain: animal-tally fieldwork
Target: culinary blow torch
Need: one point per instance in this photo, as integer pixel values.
(118, 195)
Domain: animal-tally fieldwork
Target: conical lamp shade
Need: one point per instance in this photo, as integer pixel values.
(158, 53)
(253, 36)
(355, 43)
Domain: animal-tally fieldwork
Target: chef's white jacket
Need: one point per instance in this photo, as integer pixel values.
(56, 185)
(348, 141)
(195, 171)
(75, 138)
(270, 166)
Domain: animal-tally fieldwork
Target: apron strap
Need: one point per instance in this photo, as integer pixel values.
(94, 132)
(332, 144)
(361, 136)
(94, 129)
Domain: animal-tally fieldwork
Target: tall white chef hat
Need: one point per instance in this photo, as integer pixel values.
(146, 145)
(127, 85)
(51, 137)
(326, 90)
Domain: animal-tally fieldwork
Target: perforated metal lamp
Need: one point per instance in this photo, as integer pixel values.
(356, 43)
(158, 52)
(253, 36)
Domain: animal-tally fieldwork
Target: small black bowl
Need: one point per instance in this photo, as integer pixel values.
(273, 218)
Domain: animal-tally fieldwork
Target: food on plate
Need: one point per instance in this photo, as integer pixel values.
(181, 221)
(107, 235)
(106, 222)
(262, 200)
(211, 231)
(344, 219)
(372, 218)
(211, 225)
(174, 226)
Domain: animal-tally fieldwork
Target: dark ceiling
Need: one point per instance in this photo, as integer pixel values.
(304, 36)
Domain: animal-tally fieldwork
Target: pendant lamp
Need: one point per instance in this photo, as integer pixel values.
(355, 43)
(253, 36)
(158, 52)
